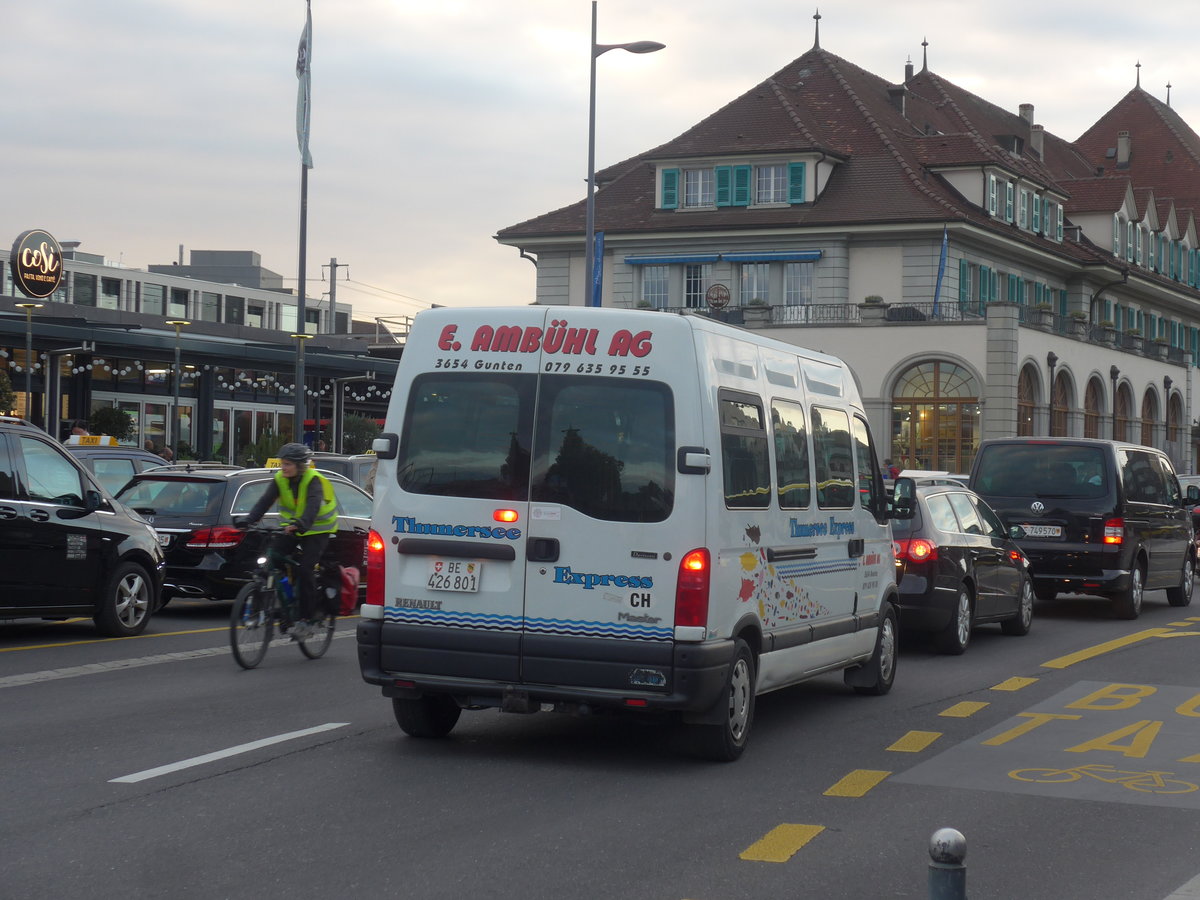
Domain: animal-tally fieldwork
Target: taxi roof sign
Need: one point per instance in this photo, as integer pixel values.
(93, 440)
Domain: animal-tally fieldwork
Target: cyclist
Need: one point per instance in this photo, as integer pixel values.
(308, 505)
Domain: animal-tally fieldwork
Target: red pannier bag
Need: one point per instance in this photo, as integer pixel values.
(349, 591)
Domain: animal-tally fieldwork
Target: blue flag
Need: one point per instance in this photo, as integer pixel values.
(304, 92)
(937, 291)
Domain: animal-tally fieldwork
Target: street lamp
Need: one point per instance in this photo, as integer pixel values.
(29, 308)
(299, 410)
(178, 323)
(590, 297)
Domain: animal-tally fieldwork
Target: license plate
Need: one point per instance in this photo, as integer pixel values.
(164, 540)
(1042, 530)
(454, 575)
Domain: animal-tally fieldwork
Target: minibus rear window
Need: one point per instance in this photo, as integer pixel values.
(468, 435)
(605, 447)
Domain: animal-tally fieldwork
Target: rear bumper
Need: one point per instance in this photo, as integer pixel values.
(1077, 568)
(482, 668)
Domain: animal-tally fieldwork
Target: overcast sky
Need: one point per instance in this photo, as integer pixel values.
(136, 126)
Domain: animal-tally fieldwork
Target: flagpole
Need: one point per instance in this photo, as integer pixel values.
(299, 411)
(303, 119)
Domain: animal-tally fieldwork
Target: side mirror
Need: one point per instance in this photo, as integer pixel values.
(93, 500)
(387, 445)
(1016, 532)
(1193, 494)
(904, 494)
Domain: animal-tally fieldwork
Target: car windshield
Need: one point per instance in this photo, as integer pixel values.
(174, 496)
(1055, 471)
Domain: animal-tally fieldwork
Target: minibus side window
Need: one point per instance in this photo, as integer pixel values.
(870, 478)
(744, 460)
(605, 447)
(791, 455)
(467, 435)
(833, 459)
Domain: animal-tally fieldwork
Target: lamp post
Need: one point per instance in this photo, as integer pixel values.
(590, 238)
(29, 308)
(300, 409)
(178, 323)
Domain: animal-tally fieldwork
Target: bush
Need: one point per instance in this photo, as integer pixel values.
(112, 421)
(8, 397)
(357, 433)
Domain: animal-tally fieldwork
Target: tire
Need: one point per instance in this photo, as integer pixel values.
(1018, 625)
(123, 609)
(1182, 595)
(724, 741)
(1128, 605)
(315, 645)
(250, 626)
(955, 637)
(878, 674)
(429, 716)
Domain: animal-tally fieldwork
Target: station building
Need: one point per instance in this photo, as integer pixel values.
(983, 276)
(102, 339)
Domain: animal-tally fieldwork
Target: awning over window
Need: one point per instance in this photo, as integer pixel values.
(671, 260)
(774, 256)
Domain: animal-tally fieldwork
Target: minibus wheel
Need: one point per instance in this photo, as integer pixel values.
(428, 716)
(724, 741)
(877, 674)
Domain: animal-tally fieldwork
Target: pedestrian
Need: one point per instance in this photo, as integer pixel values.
(892, 470)
(167, 454)
(79, 427)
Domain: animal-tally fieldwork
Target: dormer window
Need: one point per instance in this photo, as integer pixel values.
(1118, 232)
(770, 184)
(733, 185)
(992, 195)
(697, 188)
(1140, 251)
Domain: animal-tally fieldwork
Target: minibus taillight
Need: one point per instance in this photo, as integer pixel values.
(691, 590)
(1114, 531)
(375, 546)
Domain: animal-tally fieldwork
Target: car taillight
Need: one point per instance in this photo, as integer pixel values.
(223, 537)
(916, 550)
(691, 590)
(1114, 531)
(375, 546)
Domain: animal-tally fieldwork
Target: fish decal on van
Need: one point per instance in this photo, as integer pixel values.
(775, 591)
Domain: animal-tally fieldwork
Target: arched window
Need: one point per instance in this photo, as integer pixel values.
(1149, 416)
(1093, 408)
(1174, 418)
(1026, 401)
(935, 417)
(1124, 410)
(1060, 401)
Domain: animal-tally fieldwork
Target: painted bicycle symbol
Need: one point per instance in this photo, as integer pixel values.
(1151, 782)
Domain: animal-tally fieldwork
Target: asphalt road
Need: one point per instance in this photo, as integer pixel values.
(154, 767)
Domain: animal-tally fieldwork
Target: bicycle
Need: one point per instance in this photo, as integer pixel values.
(269, 599)
(1150, 782)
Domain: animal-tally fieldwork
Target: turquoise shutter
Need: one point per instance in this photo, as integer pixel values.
(984, 284)
(741, 186)
(1062, 302)
(994, 286)
(724, 185)
(1107, 310)
(964, 283)
(796, 182)
(670, 189)
(1037, 214)
(1012, 288)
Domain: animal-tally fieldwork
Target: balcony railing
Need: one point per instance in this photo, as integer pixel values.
(831, 313)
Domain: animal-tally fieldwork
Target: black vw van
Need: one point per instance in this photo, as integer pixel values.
(1100, 517)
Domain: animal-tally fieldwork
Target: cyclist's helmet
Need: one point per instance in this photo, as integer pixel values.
(297, 453)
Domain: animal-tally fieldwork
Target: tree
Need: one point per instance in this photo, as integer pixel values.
(8, 397)
(113, 421)
(266, 447)
(357, 433)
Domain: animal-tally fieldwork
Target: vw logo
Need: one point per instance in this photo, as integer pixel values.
(1037, 506)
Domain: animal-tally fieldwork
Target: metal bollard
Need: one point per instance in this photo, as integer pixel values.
(947, 874)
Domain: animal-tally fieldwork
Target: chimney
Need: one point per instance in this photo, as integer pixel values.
(180, 263)
(896, 94)
(908, 70)
(1124, 148)
(1037, 135)
(1026, 111)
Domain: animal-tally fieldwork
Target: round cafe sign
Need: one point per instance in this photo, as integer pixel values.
(717, 296)
(37, 263)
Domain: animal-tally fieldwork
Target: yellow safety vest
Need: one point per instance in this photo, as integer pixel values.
(292, 505)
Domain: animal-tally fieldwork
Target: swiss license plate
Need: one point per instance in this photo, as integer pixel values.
(454, 575)
(1042, 530)
(164, 540)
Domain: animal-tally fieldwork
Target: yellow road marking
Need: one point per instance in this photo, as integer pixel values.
(915, 741)
(780, 843)
(131, 637)
(1070, 659)
(1013, 684)
(857, 783)
(963, 710)
(1181, 634)
(1179, 624)
(1194, 618)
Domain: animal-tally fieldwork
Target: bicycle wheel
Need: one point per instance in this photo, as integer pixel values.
(250, 626)
(315, 645)
(1045, 776)
(1163, 786)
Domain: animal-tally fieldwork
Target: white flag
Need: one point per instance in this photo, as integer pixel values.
(304, 93)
